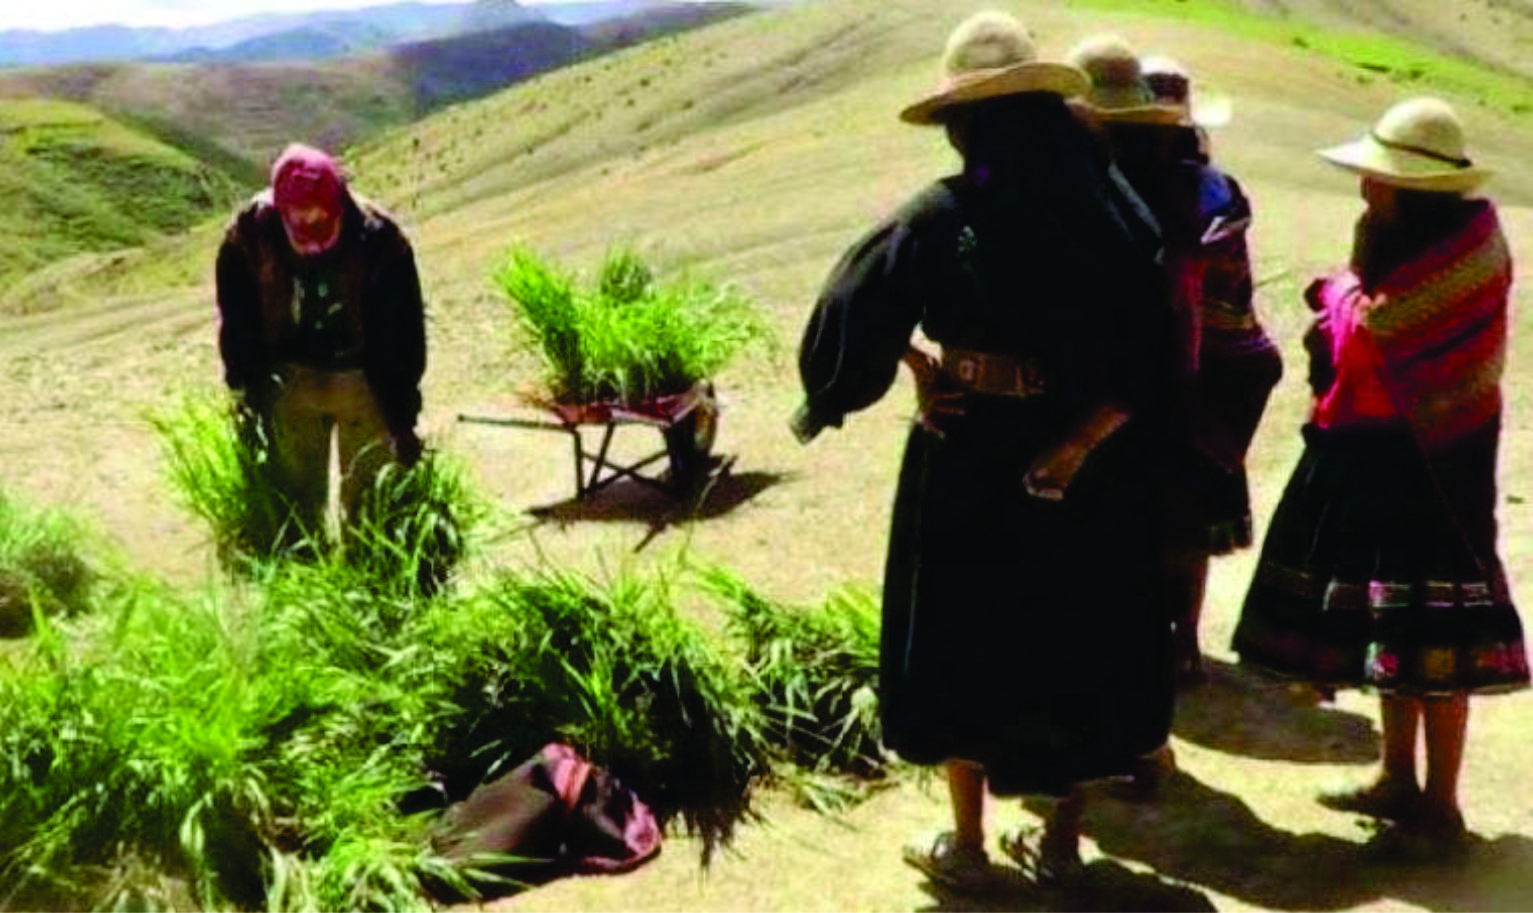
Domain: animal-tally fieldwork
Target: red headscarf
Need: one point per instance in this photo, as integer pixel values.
(302, 180)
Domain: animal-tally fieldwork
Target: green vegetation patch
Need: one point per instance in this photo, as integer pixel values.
(77, 181)
(43, 570)
(814, 672)
(409, 533)
(1374, 55)
(626, 336)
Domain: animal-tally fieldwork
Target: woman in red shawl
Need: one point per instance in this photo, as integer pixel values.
(1380, 567)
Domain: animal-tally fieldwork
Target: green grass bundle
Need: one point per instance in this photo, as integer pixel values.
(613, 671)
(133, 747)
(42, 568)
(252, 750)
(220, 464)
(410, 531)
(412, 528)
(815, 672)
(628, 337)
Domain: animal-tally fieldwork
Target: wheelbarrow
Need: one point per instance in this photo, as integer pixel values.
(688, 423)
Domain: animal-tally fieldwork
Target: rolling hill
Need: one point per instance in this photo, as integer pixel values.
(75, 180)
(230, 119)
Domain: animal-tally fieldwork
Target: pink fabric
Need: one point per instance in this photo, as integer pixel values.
(1359, 394)
(305, 178)
(641, 830)
(1429, 344)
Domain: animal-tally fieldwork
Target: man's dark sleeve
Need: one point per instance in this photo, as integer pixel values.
(246, 366)
(396, 333)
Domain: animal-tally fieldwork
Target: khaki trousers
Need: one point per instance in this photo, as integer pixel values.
(311, 404)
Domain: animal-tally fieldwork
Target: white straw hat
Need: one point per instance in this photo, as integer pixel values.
(1171, 84)
(1118, 90)
(1418, 145)
(990, 55)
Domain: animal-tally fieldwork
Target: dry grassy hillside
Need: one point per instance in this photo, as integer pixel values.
(756, 151)
(1494, 33)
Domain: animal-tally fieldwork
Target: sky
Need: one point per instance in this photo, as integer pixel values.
(60, 14)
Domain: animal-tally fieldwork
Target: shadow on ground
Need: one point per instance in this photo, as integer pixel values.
(1240, 711)
(1104, 885)
(1197, 835)
(627, 501)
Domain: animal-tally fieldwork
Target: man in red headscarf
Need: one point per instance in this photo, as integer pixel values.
(323, 329)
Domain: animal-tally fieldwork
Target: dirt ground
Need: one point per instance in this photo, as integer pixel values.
(1237, 829)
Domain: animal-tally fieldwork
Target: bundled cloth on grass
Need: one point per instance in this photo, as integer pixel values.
(1380, 566)
(555, 815)
(1016, 632)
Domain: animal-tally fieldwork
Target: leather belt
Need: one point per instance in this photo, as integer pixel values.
(993, 375)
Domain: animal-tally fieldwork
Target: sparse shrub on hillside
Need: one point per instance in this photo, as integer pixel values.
(42, 568)
(630, 336)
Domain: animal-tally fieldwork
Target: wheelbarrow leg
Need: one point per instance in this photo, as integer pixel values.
(580, 465)
(601, 458)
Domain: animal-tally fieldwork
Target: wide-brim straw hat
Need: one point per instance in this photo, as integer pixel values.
(1119, 91)
(1417, 145)
(988, 56)
(1171, 84)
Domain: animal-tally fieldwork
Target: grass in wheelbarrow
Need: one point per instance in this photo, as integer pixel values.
(626, 336)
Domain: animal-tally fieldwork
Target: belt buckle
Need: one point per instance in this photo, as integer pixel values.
(968, 369)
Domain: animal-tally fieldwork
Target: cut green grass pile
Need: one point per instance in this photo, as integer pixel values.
(42, 567)
(814, 673)
(409, 533)
(218, 462)
(625, 336)
(289, 739)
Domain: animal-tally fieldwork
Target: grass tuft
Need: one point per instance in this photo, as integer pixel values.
(815, 676)
(42, 570)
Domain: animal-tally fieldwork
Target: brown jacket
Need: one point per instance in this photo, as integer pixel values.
(359, 305)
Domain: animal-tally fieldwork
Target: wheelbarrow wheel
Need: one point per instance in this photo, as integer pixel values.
(689, 444)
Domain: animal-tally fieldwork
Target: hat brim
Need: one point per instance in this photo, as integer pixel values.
(1157, 115)
(1403, 169)
(1039, 76)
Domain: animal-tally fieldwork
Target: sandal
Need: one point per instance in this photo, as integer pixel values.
(948, 863)
(1389, 800)
(1048, 859)
(1426, 837)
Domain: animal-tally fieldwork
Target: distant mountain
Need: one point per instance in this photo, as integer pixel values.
(329, 32)
(449, 70)
(492, 15)
(656, 19)
(586, 12)
(325, 42)
(350, 35)
(238, 115)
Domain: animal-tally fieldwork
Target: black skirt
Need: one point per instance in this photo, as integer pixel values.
(1208, 508)
(1369, 578)
(1018, 633)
